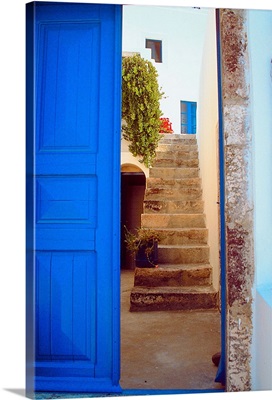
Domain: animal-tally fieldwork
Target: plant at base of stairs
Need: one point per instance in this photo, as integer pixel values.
(141, 107)
(142, 238)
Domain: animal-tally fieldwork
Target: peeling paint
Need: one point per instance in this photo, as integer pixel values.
(234, 48)
(238, 195)
(239, 276)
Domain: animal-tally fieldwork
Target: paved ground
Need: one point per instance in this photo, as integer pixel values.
(162, 350)
(167, 350)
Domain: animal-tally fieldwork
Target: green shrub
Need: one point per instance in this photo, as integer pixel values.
(141, 107)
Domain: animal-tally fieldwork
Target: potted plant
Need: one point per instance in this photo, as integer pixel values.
(144, 244)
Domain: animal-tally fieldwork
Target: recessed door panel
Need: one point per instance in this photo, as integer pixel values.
(74, 54)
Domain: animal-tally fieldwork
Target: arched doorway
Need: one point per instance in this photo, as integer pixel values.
(132, 195)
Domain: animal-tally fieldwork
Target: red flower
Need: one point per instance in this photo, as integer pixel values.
(166, 126)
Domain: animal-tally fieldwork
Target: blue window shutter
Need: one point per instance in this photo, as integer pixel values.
(188, 116)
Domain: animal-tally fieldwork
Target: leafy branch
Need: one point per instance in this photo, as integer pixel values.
(141, 107)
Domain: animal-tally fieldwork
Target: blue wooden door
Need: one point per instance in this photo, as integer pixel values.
(188, 116)
(76, 65)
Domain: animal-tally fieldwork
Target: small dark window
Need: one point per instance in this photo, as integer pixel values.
(156, 49)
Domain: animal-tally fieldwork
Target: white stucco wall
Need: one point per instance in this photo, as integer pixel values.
(188, 72)
(207, 137)
(128, 159)
(260, 33)
(181, 31)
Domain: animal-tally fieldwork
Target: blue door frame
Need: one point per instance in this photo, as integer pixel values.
(221, 373)
(72, 277)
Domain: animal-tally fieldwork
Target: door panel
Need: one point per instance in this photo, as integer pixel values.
(66, 314)
(76, 164)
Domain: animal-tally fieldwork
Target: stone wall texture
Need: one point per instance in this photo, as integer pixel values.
(238, 196)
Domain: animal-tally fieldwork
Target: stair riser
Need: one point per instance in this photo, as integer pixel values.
(192, 255)
(190, 193)
(173, 173)
(168, 302)
(150, 277)
(176, 155)
(177, 138)
(185, 183)
(173, 207)
(178, 147)
(173, 221)
(168, 162)
(187, 237)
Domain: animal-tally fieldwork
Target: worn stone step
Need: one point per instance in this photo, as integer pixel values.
(173, 173)
(178, 138)
(176, 162)
(173, 183)
(183, 193)
(183, 236)
(177, 145)
(173, 298)
(174, 275)
(183, 254)
(173, 207)
(177, 154)
(183, 146)
(173, 221)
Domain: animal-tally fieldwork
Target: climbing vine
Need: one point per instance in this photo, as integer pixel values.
(141, 107)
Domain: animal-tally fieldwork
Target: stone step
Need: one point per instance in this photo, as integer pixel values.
(177, 147)
(177, 154)
(177, 144)
(173, 298)
(173, 221)
(184, 193)
(183, 236)
(173, 207)
(173, 183)
(173, 173)
(174, 275)
(183, 254)
(175, 137)
(177, 162)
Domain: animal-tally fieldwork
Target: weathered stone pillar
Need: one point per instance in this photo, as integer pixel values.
(238, 196)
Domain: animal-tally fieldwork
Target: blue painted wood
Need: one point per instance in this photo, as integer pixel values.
(66, 295)
(29, 150)
(188, 117)
(76, 172)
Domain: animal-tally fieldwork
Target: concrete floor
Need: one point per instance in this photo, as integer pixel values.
(162, 350)
(167, 350)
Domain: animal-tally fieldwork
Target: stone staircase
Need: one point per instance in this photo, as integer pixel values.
(173, 205)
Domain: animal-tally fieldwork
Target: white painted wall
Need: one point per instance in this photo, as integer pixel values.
(181, 31)
(128, 159)
(188, 72)
(207, 138)
(260, 33)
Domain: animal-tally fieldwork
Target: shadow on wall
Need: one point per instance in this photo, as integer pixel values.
(133, 182)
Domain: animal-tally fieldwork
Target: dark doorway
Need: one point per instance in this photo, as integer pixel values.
(132, 197)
